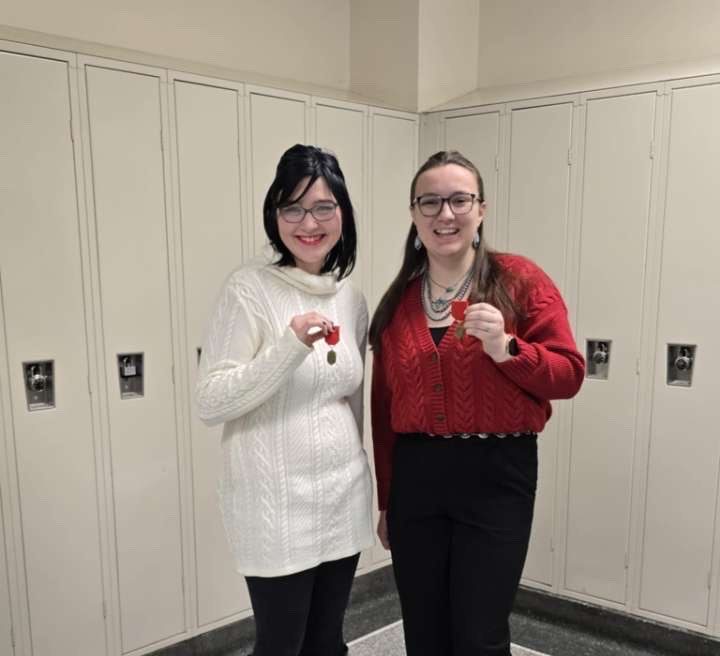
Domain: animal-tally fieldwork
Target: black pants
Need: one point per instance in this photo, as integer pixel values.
(302, 614)
(459, 520)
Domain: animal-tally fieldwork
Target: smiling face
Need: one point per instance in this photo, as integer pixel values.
(447, 236)
(311, 240)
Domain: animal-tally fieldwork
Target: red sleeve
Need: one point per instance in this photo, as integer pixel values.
(382, 433)
(548, 365)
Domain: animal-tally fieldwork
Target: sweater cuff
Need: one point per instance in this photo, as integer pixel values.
(523, 365)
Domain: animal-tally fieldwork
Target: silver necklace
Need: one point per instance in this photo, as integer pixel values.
(438, 309)
(448, 288)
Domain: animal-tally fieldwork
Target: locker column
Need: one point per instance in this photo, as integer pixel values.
(538, 218)
(479, 136)
(393, 157)
(125, 116)
(275, 121)
(208, 151)
(616, 192)
(342, 128)
(680, 545)
(49, 438)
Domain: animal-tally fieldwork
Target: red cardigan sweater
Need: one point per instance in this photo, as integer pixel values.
(457, 387)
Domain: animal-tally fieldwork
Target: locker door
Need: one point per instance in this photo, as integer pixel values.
(209, 183)
(615, 207)
(124, 122)
(392, 166)
(276, 123)
(342, 131)
(393, 162)
(538, 218)
(478, 138)
(682, 486)
(53, 449)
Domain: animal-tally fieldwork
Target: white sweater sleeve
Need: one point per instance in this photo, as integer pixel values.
(237, 373)
(358, 397)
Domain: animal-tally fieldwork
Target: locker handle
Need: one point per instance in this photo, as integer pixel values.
(684, 361)
(36, 381)
(600, 355)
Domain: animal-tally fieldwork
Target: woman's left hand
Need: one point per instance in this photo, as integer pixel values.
(486, 323)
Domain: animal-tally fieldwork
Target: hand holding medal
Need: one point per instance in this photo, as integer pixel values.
(332, 338)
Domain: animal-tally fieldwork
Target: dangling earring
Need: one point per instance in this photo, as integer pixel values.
(418, 244)
(476, 241)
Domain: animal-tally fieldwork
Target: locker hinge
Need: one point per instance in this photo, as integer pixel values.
(172, 374)
(72, 132)
(627, 560)
(709, 581)
(497, 162)
(637, 366)
(12, 637)
(570, 157)
(162, 141)
(652, 149)
(89, 386)
(104, 606)
(552, 545)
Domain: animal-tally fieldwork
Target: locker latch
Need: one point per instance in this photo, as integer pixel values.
(39, 385)
(598, 358)
(680, 364)
(130, 370)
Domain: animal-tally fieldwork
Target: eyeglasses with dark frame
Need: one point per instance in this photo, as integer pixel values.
(431, 205)
(321, 212)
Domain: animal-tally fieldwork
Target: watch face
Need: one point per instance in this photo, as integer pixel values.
(513, 348)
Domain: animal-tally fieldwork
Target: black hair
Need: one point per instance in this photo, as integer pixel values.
(296, 164)
(491, 284)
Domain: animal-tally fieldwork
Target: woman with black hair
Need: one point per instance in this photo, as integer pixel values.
(469, 345)
(282, 368)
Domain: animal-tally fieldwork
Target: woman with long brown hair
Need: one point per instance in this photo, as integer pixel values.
(469, 345)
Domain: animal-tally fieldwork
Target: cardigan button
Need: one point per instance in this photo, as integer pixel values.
(434, 357)
(440, 417)
(437, 387)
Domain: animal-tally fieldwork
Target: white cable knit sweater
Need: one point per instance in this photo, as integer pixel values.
(295, 489)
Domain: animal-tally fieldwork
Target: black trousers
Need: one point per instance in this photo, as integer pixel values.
(459, 520)
(302, 614)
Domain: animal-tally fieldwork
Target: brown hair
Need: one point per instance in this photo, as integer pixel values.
(492, 284)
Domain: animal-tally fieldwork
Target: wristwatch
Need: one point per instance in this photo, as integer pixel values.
(511, 346)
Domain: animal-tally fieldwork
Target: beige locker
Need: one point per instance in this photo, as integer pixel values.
(341, 128)
(393, 162)
(616, 189)
(276, 122)
(539, 193)
(55, 499)
(477, 136)
(124, 123)
(208, 147)
(682, 474)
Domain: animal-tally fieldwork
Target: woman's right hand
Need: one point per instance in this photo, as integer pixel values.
(382, 531)
(302, 324)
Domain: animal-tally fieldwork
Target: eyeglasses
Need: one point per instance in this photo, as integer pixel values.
(431, 204)
(323, 211)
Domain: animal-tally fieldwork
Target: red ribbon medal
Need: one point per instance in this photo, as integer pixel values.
(332, 338)
(458, 309)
